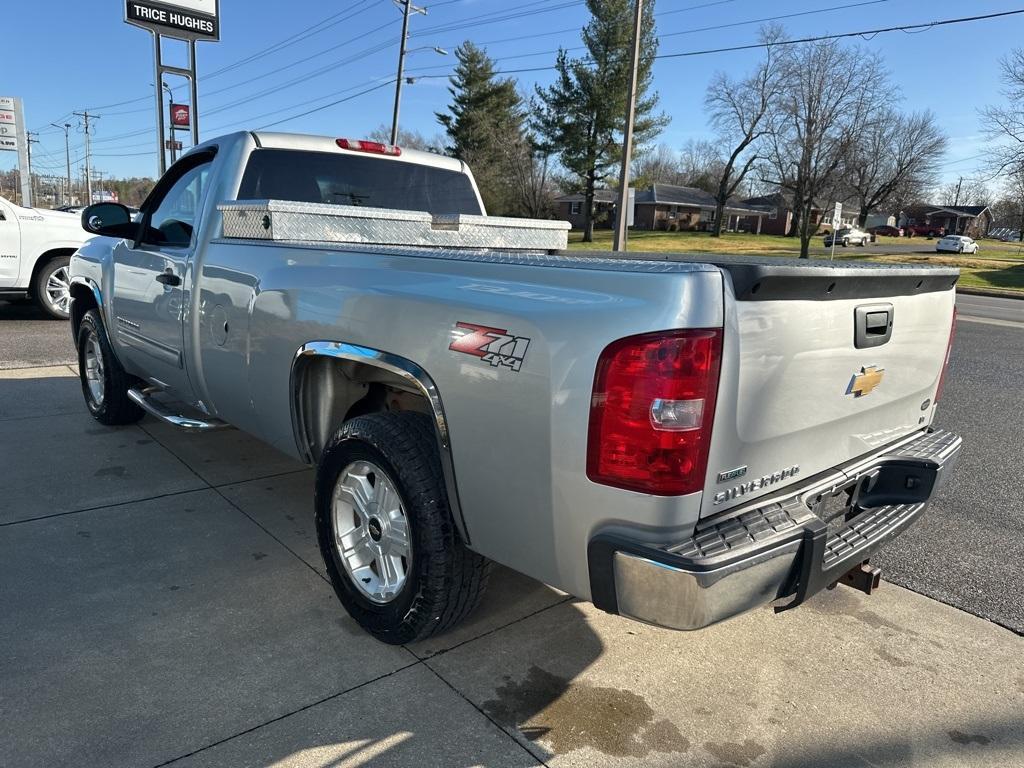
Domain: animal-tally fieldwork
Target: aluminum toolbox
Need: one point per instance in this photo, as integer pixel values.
(281, 220)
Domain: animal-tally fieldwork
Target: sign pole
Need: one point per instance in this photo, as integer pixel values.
(24, 164)
(193, 80)
(161, 164)
(836, 215)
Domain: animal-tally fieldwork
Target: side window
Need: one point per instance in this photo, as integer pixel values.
(175, 217)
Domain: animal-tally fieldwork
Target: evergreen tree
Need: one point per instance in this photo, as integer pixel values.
(485, 115)
(582, 116)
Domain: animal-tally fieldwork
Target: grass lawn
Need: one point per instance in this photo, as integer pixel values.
(997, 265)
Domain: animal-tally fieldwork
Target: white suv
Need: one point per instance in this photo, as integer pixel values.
(848, 236)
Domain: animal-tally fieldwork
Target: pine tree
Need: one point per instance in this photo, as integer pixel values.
(582, 115)
(485, 114)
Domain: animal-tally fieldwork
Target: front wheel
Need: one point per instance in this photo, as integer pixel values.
(52, 289)
(104, 382)
(394, 556)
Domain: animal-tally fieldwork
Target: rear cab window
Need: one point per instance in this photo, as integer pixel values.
(343, 179)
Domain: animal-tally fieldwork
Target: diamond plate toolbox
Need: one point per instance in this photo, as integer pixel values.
(282, 220)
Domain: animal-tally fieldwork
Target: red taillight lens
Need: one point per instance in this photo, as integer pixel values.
(374, 147)
(945, 363)
(652, 410)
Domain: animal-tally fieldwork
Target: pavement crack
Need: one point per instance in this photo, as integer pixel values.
(490, 719)
(285, 716)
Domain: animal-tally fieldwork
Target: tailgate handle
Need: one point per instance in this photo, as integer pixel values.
(872, 325)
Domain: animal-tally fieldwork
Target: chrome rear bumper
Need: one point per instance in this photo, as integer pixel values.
(778, 550)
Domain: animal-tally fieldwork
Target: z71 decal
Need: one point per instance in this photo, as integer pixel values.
(492, 345)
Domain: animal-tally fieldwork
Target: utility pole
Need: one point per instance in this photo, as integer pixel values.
(170, 128)
(30, 140)
(956, 200)
(66, 127)
(622, 214)
(86, 117)
(407, 9)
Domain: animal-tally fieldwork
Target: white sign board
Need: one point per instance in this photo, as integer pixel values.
(837, 215)
(181, 19)
(10, 129)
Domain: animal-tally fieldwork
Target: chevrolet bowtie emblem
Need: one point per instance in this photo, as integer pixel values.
(864, 383)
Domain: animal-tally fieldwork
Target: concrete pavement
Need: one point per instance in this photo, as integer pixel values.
(162, 602)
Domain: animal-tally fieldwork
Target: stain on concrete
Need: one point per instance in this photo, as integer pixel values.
(1020, 683)
(257, 556)
(967, 738)
(734, 754)
(290, 517)
(117, 471)
(174, 588)
(891, 659)
(567, 716)
(85, 534)
(841, 602)
(143, 442)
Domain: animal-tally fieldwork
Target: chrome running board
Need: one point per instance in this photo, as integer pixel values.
(144, 398)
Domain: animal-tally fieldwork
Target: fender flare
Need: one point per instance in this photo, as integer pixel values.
(97, 294)
(393, 364)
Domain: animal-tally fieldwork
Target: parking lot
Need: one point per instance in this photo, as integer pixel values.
(163, 602)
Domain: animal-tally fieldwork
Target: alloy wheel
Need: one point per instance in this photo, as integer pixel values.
(371, 531)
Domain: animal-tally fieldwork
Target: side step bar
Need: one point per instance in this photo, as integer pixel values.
(143, 397)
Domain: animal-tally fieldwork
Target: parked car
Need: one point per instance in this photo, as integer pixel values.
(956, 244)
(35, 248)
(925, 230)
(886, 231)
(677, 441)
(848, 236)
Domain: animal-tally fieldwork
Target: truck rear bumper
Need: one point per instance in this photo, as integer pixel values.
(782, 548)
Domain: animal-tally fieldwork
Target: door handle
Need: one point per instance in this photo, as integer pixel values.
(168, 278)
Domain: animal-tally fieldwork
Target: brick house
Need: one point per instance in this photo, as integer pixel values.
(779, 213)
(664, 207)
(971, 220)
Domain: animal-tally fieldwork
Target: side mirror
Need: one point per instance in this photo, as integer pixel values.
(109, 220)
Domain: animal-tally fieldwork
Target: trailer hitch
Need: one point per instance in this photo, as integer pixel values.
(864, 578)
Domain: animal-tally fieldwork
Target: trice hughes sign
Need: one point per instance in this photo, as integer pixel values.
(183, 19)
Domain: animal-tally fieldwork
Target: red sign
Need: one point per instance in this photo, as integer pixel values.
(180, 116)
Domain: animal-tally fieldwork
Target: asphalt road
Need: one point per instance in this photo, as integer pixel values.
(966, 552)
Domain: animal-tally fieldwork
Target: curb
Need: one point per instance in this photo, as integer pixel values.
(998, 293)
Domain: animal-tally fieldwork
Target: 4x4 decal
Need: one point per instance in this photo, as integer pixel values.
(492, 345)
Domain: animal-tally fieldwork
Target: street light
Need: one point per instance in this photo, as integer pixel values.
(170, 128)
(67, 156)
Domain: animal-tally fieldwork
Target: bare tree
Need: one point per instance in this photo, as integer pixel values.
(965, 192)
(660, 165)
(700, 164)
(893, 159)
(532, 188)
(408, 139)
(739, 111)
(1004, 124)
(827, 96)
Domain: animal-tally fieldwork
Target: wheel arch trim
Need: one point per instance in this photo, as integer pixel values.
(394, 364)
(97, 295)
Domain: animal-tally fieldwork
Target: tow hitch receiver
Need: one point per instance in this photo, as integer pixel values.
(864, 578)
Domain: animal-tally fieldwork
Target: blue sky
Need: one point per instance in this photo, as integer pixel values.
(952, 70)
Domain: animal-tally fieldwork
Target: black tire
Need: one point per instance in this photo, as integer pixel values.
(57, 268)
(445, 581)
(114, 406)
(845, 242)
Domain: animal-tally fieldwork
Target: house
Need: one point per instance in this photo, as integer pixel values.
(780, 214)
(971, 220)
(570, 208)
(664, 207)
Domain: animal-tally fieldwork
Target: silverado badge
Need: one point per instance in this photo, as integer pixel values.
(864, 383)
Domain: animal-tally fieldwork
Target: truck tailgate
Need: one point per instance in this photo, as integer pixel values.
(821, 364)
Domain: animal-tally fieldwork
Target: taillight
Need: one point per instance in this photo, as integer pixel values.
(374, 147)
(945, 363)
(652, 410)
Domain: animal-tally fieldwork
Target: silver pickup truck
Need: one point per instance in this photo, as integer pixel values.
(675, 438)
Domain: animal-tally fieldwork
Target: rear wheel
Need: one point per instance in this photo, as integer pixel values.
(104, 382)
(52, 290)
(386, 533)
